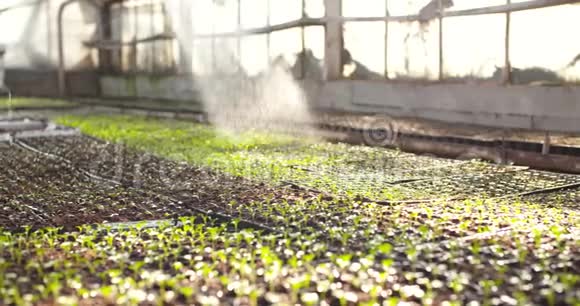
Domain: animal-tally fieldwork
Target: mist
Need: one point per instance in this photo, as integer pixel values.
(258, 91)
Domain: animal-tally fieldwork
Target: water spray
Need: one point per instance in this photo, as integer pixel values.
(241, 89)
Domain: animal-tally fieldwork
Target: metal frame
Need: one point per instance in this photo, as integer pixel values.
(306, 21)
(107, 45)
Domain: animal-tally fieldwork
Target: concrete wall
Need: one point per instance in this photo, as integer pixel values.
(30, 82)
(170, 87)
(149, 87)
(528, 107)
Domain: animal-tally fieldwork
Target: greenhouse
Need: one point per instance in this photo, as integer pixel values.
(296, 152)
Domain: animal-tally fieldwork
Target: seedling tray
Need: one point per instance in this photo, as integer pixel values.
(237, 241)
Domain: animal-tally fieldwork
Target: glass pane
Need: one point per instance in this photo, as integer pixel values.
(202, 16)
(143, 26)
(314, 52)
(117, 18)
(365, 41)
(180, 20)
(544, 45)
(284, 11)
(409, 7)
(366, 8)
(227, 60)
(471, 4)
(315, 8)
(254, 54)
(254, 13)
(225, 16)
(473, 46)
(413, 50)
(158, 19)
(128, 22)
(314, 39)
(286, 43)
(203, 60)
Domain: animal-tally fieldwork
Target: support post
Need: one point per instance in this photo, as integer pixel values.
(303, 43)
(440, 4)
(333, 40)
(105, 55)
(507, 76)
(387, 40)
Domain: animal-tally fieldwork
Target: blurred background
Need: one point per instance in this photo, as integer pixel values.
(434, 59)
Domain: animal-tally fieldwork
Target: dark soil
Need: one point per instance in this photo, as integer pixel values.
(451, 250)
